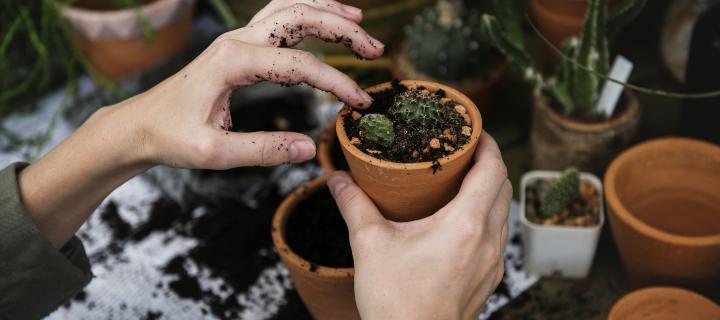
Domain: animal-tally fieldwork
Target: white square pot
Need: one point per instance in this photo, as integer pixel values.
(559, 250)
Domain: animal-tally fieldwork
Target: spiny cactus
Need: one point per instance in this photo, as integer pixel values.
(445, 43)
(576, 90)
(377, 129)
(417, 108)
(561, 193)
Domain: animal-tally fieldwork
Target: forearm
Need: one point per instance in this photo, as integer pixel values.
(64, 187)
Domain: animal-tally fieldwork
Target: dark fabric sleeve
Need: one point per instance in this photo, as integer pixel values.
(35, 278)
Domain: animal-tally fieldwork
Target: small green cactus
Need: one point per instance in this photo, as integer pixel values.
(445, 43)
(377, 129)
(417, 108)
(561, 193)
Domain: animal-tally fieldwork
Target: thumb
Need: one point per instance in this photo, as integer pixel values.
(241, 149)
(356, 207)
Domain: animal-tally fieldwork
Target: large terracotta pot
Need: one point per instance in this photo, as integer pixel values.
(327, 292)
(113, 42)
(663, 199)
(411, 191)
(480, 91)
(558, 142)
(659, 303)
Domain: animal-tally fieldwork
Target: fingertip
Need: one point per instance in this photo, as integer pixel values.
(302, 150)
(337, 181)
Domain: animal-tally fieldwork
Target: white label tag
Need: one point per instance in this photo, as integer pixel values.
(611, 91)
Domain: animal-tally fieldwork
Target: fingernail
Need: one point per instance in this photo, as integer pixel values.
(337, 182)
(351, 9)
(376, 43)
(368, 100)
(301, 151)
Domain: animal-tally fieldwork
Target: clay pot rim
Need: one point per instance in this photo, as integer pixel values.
(539, 8)
(466, 85)
(679, 293)
(278, 230)
(613, 200)
(74, 9)
(631, 109)
(451, 93)
(325, 147)
(532, 175)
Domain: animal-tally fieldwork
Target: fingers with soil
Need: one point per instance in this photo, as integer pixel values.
(348, 12)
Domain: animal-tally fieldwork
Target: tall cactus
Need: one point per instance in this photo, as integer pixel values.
(575, 89)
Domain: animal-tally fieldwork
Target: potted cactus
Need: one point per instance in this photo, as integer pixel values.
(312, 241)
(411, 148)
(567, 127)
(444, 44)
(120, 37)
(562, 216)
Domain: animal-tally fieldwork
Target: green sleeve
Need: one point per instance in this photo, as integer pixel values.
(35, 278)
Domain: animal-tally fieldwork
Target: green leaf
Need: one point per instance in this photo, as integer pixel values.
(585, 84)
(497, 37)
(509, 14)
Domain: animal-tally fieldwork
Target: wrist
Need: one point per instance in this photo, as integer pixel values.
(124, 132)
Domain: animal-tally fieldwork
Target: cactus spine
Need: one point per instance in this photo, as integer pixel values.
(417, 108)
(576, 90)
(445, 43)
(377, 129)
(561, 193)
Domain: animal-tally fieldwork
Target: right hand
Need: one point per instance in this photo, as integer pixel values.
(440, 267)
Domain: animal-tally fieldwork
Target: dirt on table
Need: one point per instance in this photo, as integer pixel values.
(412, 144)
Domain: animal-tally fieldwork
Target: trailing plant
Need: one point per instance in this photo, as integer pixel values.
(445, 42)
(561, 193)
(377, 129)
(416, 108)
(576, 85)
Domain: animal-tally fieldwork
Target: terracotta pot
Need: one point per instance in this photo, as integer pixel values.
(327, 292)
(329, 152)
(562, 251)
(663, 199)
(659, 303)
(480, 91)
(411, 191)
(112, 40)
(558, 20)
(558, 142)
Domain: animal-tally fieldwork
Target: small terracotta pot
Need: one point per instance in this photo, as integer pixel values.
(664, 303)
(411, 191)
(558, 142)
(663, 199)
(327, 292)
(480, 91)
(112, 40)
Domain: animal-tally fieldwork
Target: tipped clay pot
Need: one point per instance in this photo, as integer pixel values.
(112, 40)
(411, 191)
(327, 292)
(558, 141)
(664, 303)
(663, 200)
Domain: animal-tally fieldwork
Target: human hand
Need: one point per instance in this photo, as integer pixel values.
(184, 120)
(440, 267)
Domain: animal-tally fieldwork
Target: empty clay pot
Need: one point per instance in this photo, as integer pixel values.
(411, 191)
(327, 292)
(664, 303)
(663, 200)
(558, 141)
(113, 42)
(480, 91)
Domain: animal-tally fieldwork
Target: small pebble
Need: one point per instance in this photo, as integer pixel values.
(355, 141)
(448, 147)
(448, 134)
(415, 153)
(356, 115)
(434, 143)
(466, 131)
(460, 109)
(466, 117)
(371, 151)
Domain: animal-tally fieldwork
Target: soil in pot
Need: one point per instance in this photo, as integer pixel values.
(317, 232)
(448, 130)
(584, 211)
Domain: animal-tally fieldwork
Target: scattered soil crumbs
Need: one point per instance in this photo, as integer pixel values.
(583, 212)
(412, 144)
(317, 232)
